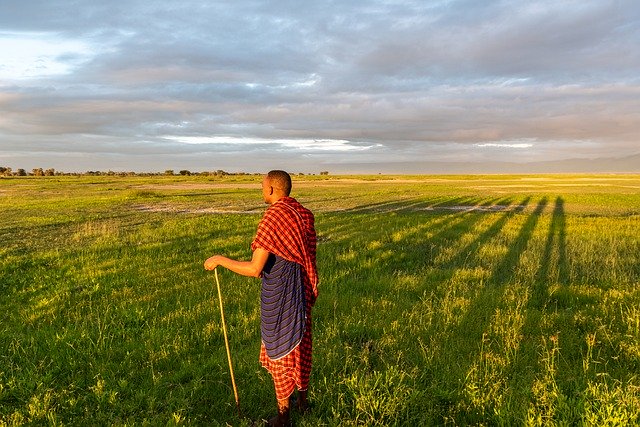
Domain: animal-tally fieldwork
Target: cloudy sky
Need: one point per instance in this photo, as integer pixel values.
(308, 86)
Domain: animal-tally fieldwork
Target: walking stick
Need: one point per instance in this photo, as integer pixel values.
(226, 342)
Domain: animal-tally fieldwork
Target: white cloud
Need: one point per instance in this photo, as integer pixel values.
(504, 145)
(25, 55)
(298, 144)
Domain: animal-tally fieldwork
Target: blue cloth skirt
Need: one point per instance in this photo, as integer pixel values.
(282, 306)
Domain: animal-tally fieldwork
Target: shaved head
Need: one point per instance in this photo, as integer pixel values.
(280, 180)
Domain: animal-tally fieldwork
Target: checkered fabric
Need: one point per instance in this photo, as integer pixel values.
(287, 230)
(293, 370)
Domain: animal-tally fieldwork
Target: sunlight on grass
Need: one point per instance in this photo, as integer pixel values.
(429, 314)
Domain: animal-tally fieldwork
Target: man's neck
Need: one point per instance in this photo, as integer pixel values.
(276, 199)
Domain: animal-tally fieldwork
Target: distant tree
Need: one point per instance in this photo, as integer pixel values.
(169, 172)
(37, 172)
(324, 173)
(50, 172)
(21, 172)
(5, 171)
(185, 172)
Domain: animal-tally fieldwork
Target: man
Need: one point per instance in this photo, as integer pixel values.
(284, 255)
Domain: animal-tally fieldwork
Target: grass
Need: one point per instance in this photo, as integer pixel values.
(483, 300)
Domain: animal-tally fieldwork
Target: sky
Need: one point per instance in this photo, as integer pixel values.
(342, 86)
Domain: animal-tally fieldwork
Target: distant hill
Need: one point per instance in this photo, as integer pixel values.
(629, 164)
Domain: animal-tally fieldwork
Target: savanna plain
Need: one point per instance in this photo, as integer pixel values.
(444, 300)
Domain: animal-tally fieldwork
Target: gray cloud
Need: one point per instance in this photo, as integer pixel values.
(410, 80)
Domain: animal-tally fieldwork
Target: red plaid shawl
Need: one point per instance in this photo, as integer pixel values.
(287, 230)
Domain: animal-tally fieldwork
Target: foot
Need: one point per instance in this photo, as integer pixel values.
(300, 403)
(280, 420)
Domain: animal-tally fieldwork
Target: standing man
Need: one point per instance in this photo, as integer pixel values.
(284, 255)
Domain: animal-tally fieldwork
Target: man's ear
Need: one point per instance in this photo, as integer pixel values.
(271, 192)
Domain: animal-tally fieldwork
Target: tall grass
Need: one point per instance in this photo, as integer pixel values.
(494, 300)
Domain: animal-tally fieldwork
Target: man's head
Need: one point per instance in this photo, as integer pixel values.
(276, 185)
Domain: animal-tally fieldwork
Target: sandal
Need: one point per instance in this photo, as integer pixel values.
(302, 408)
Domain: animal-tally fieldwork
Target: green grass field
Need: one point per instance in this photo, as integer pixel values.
(444, 300)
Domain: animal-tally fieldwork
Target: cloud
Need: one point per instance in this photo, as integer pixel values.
(505, 145)
(33, 55)
(304, 145)
(331, 82)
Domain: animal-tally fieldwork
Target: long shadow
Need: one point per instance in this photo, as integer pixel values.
(493, 230)
(520, 371)
(415, 203)
(421, 205)
(506, 269)
(342, 223)
(561, 230)
(539, 297)
(478, 315)
(540, 291)
(422, 242)
(422, 252)
(425, 252)
(438, 224)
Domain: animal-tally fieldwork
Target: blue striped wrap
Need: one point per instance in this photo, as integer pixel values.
(282, 306)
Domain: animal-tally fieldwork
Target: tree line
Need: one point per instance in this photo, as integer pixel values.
(7, 171)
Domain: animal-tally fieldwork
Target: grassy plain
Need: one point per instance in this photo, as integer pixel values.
(444, 300)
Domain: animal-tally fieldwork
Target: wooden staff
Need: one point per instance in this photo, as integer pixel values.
(226, 342)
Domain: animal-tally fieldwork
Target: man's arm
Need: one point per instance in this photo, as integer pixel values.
(251, 268)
